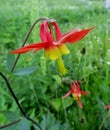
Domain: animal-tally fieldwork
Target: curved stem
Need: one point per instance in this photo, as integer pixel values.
(103, 121)
(12, 123)
(11, 91)
(17, 102)
(25, 40)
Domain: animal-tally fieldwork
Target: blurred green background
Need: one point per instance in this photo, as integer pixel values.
(40, 92)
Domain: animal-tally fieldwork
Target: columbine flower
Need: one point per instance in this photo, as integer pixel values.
(76, 92)
(53, 42)
(107, 107)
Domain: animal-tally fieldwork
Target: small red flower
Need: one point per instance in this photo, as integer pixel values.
(76, 92)
(107, 107)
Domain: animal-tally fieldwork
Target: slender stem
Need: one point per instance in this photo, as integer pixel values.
(34, 122)
(11, 91)
(16, 100)
(25, 40)
(12, 123)
(108, 113)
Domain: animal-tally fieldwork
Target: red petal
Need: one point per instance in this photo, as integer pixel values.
(75, 87)
(79, 102)
(74, 36)
(67, 94)
(42, 33)
(45, 32)
(72, 31)
(77, 83)
(107, 107)
(72, 87)
(84, 93)
(36, 46)
(57, 30)
(21, 50)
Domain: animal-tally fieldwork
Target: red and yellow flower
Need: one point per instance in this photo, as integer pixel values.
(53, 42)
(76, 92)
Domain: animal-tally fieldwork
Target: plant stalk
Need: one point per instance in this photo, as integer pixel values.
(18, 104)
(25, 40)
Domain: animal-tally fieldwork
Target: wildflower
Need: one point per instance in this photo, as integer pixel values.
(53, 42)
(76, 92)
(107, 107)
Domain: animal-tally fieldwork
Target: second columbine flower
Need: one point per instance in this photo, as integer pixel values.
(76, 92)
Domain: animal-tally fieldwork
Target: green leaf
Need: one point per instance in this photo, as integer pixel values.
(7, 40)
(25, 71)
(11, 116)
(12, 127)
(10, 60)
(67, 102)
(49, 122)
(43, 65)
(56, 103)
(24, 125)
(57, 78)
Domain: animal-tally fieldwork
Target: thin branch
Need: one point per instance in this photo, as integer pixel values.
(25, 40)
(12, 123)
(104, 119)
(34, 122)
(16, 100)
(12, 93)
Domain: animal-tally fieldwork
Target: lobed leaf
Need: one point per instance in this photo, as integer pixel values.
(25, 71)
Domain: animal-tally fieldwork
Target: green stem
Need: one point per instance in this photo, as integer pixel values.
(12, 123)
(104, 119)
(25, 40)
(17, 102)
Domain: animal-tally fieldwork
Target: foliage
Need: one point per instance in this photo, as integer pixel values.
(40, 92)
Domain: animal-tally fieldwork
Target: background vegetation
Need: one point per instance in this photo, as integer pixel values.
(40, 92)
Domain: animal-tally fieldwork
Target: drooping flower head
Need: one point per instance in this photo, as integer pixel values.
(53, 42)
(76, 92)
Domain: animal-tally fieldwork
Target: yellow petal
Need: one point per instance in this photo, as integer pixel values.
(53, 53)
(61, 66)
(63, 49)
